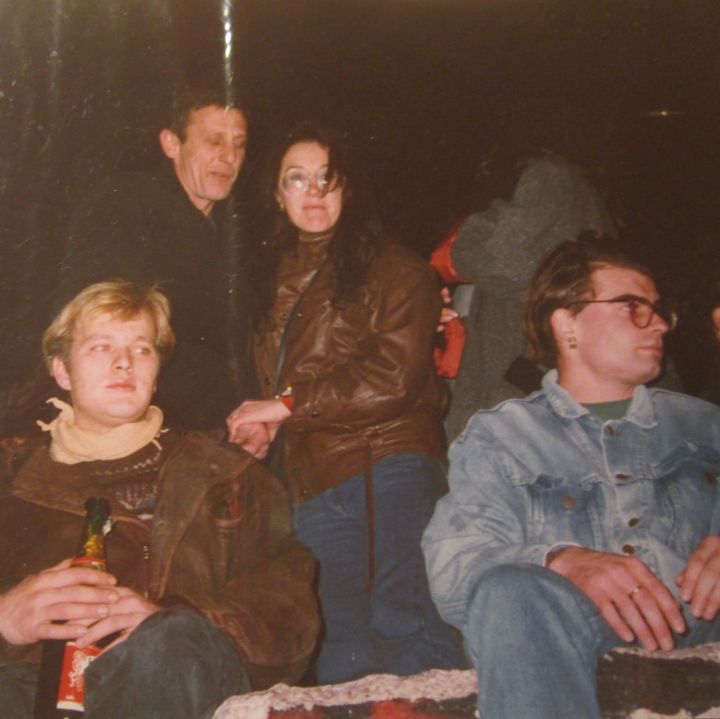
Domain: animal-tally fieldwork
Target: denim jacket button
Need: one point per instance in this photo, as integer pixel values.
(622, 476)
(568, 502)
(633, 522)
(628, 549)
(610, 431)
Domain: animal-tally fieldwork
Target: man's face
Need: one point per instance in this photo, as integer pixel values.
(112, 370)
(209, 161)
(612, 356)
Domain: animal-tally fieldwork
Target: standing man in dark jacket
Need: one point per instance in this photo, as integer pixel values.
(178, 228)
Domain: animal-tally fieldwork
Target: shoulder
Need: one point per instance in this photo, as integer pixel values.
(398, 261)
(202, 454)
(678, 408)
(508, 424)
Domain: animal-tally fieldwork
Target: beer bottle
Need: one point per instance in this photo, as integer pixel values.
(60, 681)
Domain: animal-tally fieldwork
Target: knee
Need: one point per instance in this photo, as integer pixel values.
(174, 631)
(506, 597)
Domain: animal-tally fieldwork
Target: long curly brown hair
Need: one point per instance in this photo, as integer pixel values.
(358, 235)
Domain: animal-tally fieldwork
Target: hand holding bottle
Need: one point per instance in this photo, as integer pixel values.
(77, 596)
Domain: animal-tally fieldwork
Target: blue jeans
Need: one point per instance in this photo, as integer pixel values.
(391, 626)
(175, 664)
(535, 641)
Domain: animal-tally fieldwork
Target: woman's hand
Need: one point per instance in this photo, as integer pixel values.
(254, 424)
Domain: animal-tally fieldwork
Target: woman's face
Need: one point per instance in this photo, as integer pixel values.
(312, 200)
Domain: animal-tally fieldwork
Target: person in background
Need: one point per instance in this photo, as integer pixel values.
(587, 515)
(209, 592)
(343, 349)
(533, 196)
(176, 226)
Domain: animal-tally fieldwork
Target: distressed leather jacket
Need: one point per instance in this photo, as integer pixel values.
(247, 575)
(362, 375)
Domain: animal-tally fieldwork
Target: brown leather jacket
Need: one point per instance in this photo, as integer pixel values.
(362, 376)
(248, 576)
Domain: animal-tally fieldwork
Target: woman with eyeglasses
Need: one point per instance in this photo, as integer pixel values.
(343, 350)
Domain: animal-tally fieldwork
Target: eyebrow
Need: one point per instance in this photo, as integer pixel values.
(105, 336)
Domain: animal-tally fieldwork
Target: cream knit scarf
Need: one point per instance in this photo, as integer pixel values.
(70, 444)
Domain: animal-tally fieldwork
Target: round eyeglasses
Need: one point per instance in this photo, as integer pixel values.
(641, 310)
(298, 182)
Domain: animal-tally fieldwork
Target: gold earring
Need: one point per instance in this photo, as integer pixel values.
(572, 342)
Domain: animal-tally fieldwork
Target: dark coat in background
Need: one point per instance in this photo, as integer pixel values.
(497, 251)
(143, 227)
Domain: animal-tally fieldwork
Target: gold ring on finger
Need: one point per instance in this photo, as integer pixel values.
(634, 591)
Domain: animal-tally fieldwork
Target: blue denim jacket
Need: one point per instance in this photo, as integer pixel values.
(543, 472)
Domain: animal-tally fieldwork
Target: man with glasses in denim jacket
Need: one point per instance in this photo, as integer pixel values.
(585, 516)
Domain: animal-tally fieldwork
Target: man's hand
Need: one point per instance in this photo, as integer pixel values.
(254, 424)
(78, 596)
(633, 601)
(699, 582)
(124, 616)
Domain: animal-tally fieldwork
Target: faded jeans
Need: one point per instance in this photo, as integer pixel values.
(535, 641)
(175, 664)
(391, 626)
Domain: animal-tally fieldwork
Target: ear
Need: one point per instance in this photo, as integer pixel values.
(562, 322)
(170, 143)
(281, 206)
(60, 373)
(716, 322)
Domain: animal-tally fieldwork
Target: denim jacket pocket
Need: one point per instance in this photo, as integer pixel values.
(686, 486)
(564, 509)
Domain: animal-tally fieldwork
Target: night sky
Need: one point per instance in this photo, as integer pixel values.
(417, 83)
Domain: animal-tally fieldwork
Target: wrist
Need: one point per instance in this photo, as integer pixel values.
(287, 398)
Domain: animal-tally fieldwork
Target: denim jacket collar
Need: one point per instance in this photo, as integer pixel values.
(640, 411)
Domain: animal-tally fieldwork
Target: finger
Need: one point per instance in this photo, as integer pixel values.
(691, 575)
(76, 594)
(652, 629)
(712, 605)
(707, 553)
(124, 623)
(705, 586)
(73, 576)
(616, 622)
(64, 631)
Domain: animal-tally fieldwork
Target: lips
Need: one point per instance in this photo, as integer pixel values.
(122, 385)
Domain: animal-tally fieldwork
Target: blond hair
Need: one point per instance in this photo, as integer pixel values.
(119, 298)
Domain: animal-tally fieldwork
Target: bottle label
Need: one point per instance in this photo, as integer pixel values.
(71, 691)
(98, 563)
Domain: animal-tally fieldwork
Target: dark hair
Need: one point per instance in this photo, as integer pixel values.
(562, 278)
(196, 98)
(358, 235)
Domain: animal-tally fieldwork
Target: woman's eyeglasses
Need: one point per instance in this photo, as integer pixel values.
(297, 182)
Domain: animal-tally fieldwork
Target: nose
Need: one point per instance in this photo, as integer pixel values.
(658, 324)
(123, 360)
(229, 153)
(314, 188)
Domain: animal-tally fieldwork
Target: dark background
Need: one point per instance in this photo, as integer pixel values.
(84, 84)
